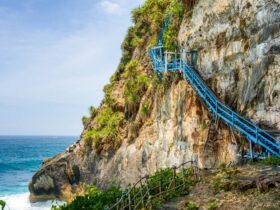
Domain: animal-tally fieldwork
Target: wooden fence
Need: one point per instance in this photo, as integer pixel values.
(147, 188)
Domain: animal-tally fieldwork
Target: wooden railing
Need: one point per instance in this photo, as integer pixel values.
(146, 189)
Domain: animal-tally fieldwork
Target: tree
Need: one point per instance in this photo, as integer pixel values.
(2, 204)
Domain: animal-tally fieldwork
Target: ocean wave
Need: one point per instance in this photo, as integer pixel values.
(21, 202)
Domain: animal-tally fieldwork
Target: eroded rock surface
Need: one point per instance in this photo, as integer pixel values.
(239, 58)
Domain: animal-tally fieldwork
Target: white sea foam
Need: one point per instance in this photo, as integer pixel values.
(21, 202)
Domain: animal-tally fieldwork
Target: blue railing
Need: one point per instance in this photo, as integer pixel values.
(254, 133)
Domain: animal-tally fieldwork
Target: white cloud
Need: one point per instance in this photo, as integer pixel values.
(111, 8)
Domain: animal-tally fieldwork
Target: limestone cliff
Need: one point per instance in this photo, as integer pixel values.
(238, 44)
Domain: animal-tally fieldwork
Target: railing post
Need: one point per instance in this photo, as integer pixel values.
(181, 53)
(176, 58)
(165, 58)
(257, 132)
(251, 149)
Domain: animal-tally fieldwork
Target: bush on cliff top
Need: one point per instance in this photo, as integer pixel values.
(106, 131)
(135, 86)
(147, 20)
(170, 37)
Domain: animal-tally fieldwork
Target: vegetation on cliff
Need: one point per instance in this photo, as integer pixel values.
(127, 103)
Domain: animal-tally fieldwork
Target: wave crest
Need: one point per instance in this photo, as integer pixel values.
(21, 202)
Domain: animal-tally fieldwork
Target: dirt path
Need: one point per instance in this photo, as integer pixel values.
(244, 188)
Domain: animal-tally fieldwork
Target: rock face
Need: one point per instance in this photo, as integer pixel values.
(239, 57)
(238, 44)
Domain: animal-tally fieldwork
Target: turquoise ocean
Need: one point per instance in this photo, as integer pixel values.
(20, 158)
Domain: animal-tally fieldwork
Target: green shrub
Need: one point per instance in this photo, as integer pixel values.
(93, 111)
(271, 161)
(108, 97)
(135, 85)
(222, 166)
(170, 37)
(106, 130)
(252, 161)
(224, 184)
(191, 206)
(94, 199)
(85, 120)
(137, 41)
(217, 185)
(2, 204)
(145, 110)
(203, 125)
(213, 206)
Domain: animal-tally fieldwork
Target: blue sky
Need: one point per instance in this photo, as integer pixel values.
(55, 58)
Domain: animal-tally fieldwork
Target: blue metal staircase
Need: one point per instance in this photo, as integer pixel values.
(163, 62)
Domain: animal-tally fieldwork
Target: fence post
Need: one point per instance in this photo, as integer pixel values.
(216, 107)
(141, 190)
(194, 171)
(251, 149)
(129, 200)
(257, 132)
(174, 176)
(134, 197)
(160, 184)
(183, 174)
(147, 185)
(165, 68)
(123, 200)
(117, 204)
(148, 190)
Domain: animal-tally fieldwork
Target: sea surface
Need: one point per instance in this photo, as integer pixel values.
(20, 157)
